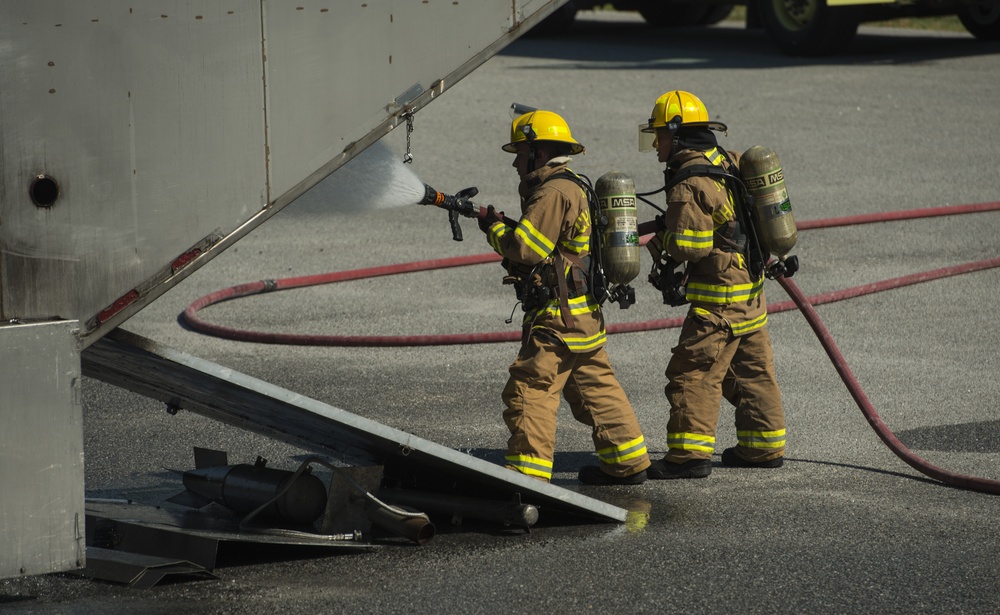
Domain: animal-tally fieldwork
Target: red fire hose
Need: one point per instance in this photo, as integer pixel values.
(805, 305)
(881, 429)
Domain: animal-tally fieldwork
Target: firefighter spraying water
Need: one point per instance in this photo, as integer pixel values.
(572, 249)
(616, 261)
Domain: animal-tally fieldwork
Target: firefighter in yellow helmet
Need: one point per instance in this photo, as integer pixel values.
(724, 348)
(562, 346)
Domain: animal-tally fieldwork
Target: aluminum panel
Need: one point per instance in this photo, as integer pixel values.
(41, 453)
(336, 70)
(162, 134)
(149, 117)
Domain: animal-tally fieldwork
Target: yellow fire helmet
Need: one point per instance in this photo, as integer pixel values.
(540, 125)
(672, 110)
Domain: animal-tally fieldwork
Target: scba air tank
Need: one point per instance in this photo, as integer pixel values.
(620, 238)
(772, 211)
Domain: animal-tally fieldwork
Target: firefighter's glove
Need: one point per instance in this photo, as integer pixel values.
(669, 277)
(655, 247)
(488, 219)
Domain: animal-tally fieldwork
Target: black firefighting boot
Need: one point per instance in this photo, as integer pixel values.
(592, 475)
(664, 470)
(731, 459)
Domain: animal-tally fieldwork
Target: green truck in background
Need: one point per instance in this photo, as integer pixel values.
(797, 27)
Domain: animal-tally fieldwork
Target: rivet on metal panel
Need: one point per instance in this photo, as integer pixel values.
(44, 190)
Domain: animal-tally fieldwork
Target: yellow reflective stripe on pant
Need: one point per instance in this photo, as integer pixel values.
(691, 442)
(581, 344)
(742, 328)
(615, 455)
(761, 439)
(532, 466)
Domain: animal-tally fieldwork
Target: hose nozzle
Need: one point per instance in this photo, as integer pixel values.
(456, 204)
(432, 197)
(453, 202)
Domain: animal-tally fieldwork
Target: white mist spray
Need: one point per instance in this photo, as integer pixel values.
(374, 179)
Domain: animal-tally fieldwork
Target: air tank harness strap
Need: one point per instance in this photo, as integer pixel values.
(730, 236)
(563, 289)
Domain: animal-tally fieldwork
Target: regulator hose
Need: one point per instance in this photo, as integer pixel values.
(798, 299)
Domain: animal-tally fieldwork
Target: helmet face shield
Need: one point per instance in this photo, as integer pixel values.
(517, 110)
(647, 138)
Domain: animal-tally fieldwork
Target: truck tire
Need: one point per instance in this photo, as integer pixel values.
(808, 27)
(982, 19)
(679, 14)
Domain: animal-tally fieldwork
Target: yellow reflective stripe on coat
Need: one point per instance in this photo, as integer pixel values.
(714, 156)
(495, 236)
(532, 466)
(584, 304)
(691, 442)
(724, 295)
(761, 439)
(580, 241)
(577, 244)
(695, 240)
(616, 455)
(533, 238)
(742, 328)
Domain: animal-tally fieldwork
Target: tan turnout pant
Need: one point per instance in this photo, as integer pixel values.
(709, 362)
(544, 368)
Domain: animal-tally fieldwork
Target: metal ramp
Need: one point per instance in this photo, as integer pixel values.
(184, 381)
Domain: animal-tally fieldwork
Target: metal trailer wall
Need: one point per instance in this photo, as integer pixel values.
(138, 140)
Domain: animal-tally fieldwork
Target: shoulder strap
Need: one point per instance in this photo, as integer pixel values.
(756, 259)
(596, 280)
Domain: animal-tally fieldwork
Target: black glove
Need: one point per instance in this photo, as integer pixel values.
(489, 219)
(661, 222)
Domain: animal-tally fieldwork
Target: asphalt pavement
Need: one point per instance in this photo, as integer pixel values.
(901, 120)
